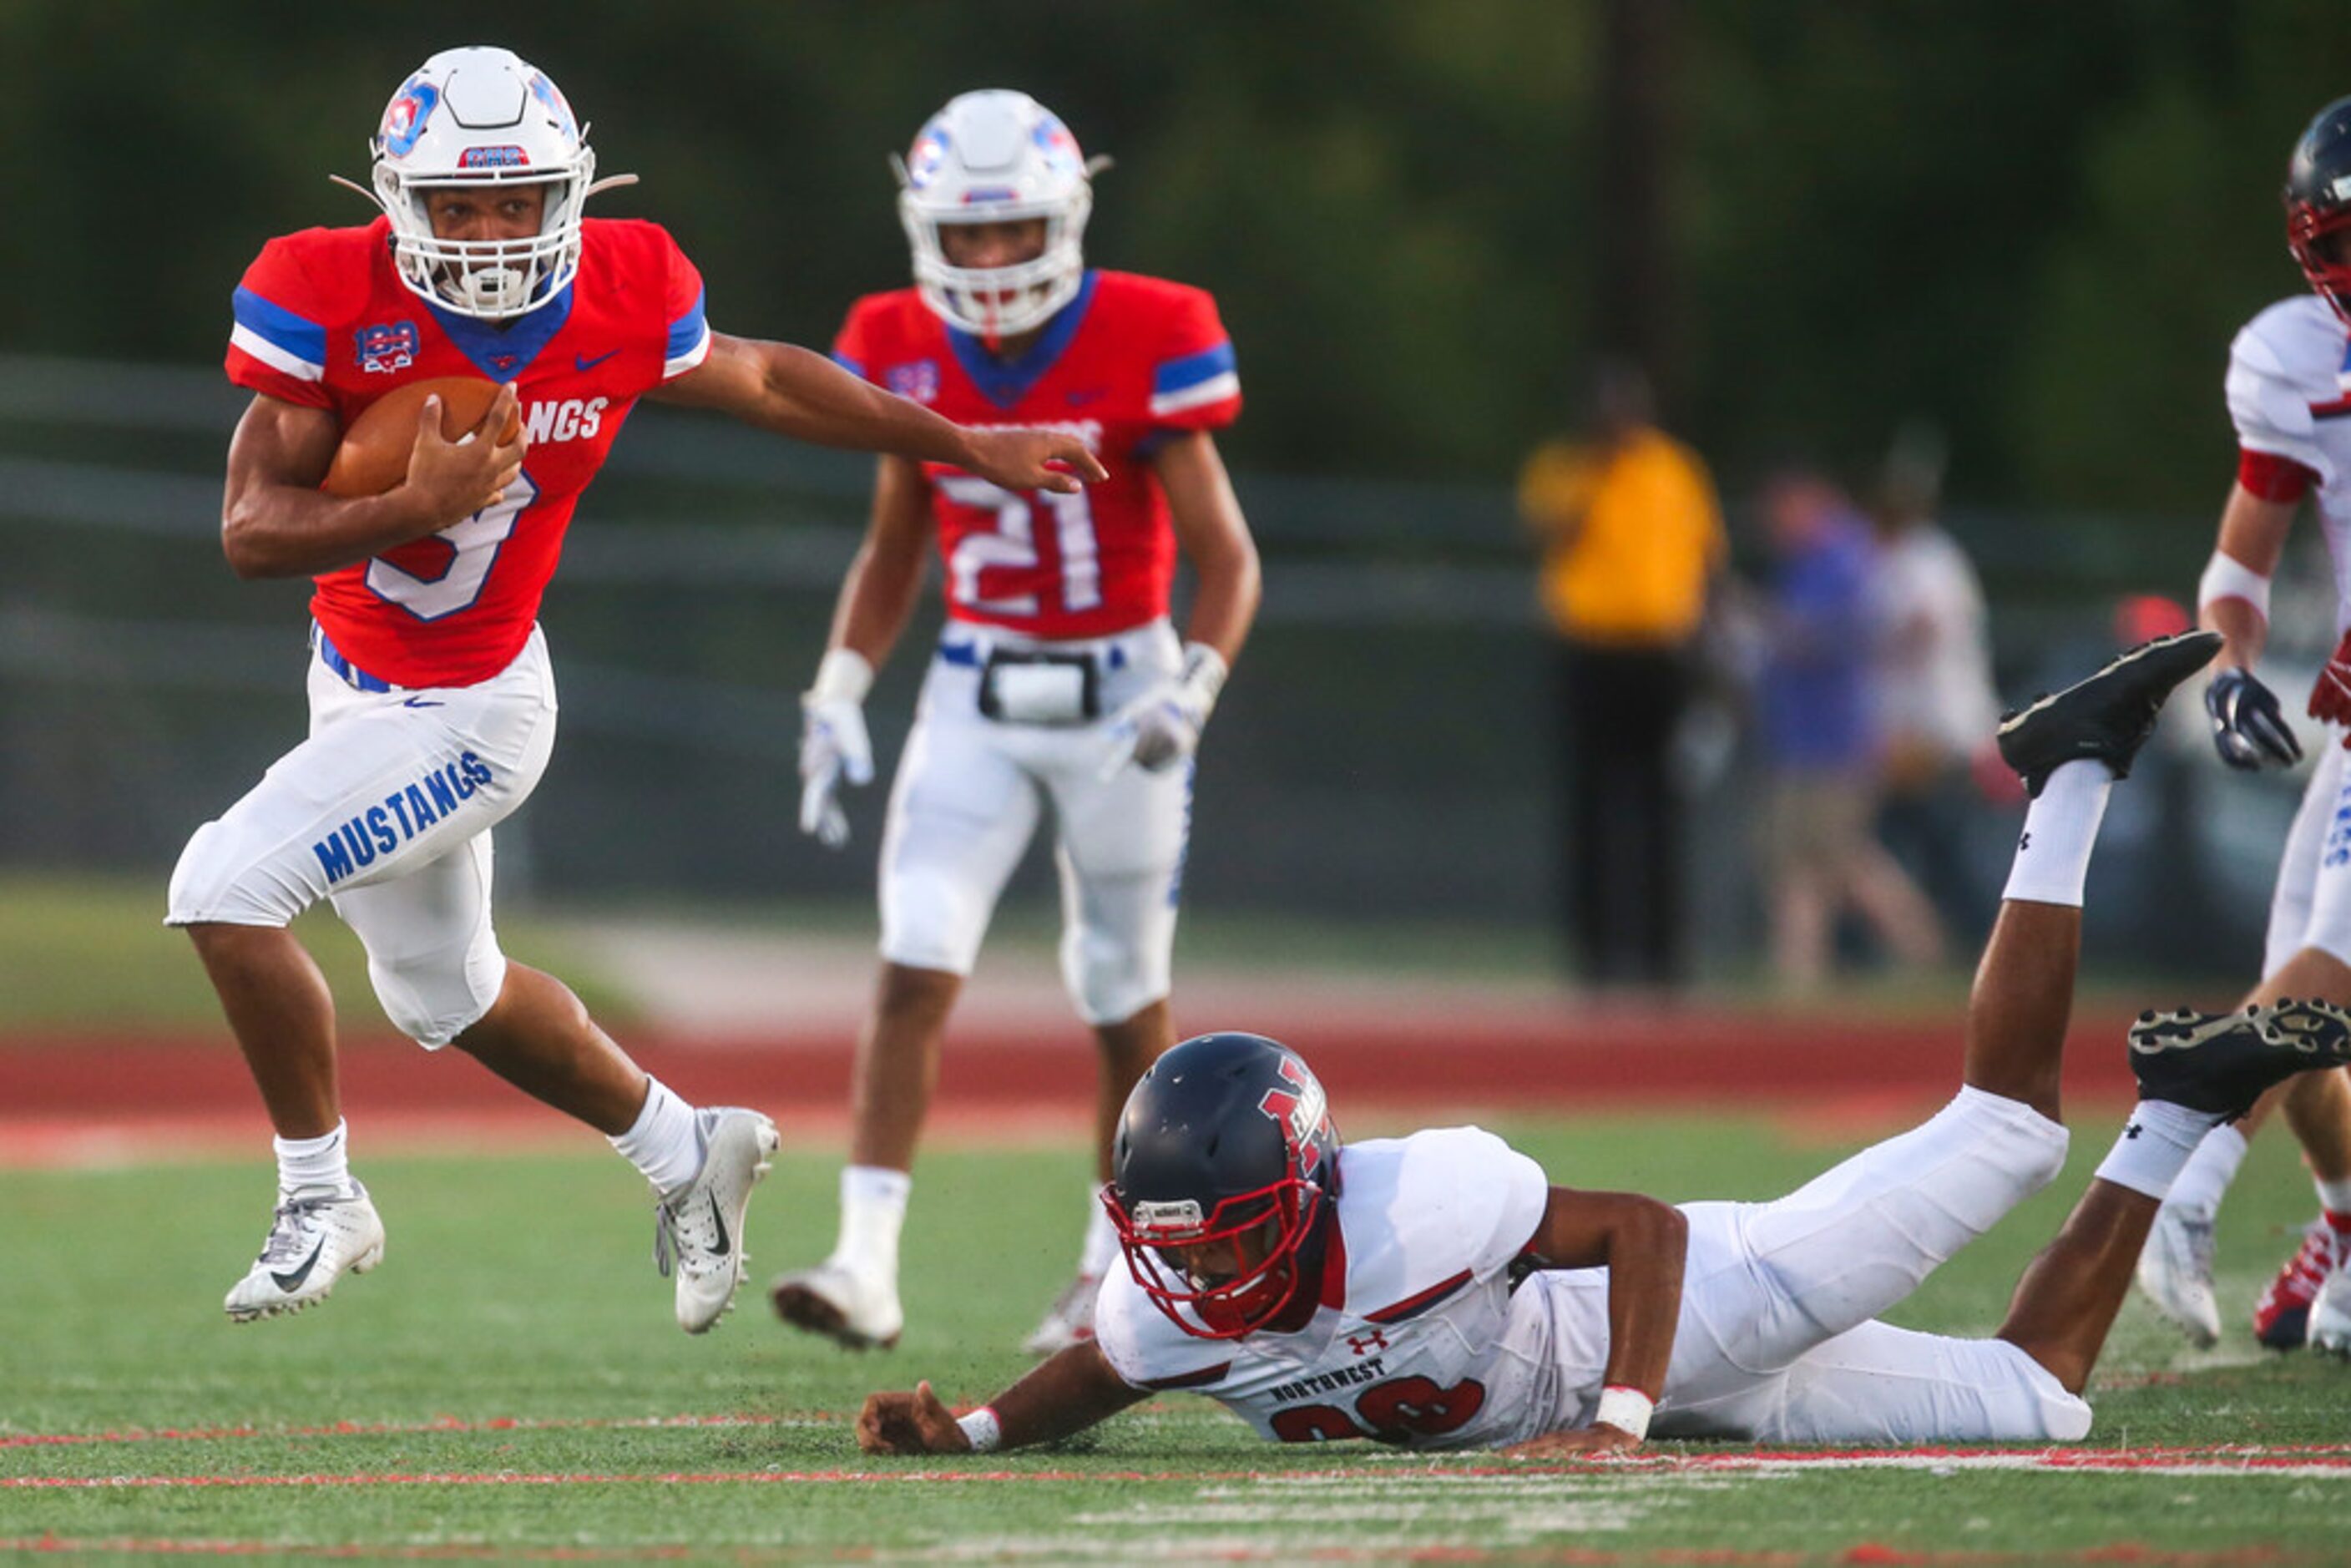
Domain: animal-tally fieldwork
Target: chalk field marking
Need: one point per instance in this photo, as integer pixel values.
(2331, 1461)
(403, 1429)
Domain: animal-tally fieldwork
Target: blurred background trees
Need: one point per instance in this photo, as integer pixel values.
(2037, 225)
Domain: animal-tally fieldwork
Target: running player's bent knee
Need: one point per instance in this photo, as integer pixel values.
(435, 998)
(215, 883)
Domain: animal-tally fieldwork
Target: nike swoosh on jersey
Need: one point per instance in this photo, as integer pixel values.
(290, 1283)
(582, 362)
(422, 701)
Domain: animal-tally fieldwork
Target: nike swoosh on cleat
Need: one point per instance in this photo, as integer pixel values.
(582, 362)
(290, 1283)
(725, 1243)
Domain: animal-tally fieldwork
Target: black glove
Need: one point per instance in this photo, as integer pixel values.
(2247, 729)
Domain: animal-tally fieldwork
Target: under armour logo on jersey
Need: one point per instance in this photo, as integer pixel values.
(1365, 1344)
(2024, 843)
(2132, 1131)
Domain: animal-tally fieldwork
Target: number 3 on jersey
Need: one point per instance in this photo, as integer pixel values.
(474, 542)
(1014, 544)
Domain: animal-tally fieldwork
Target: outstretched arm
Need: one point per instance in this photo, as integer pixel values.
(1642, 1243)
(803, 395)
(1067, 1393)
(1215, 538)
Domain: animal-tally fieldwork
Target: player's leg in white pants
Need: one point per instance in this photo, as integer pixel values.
(387, 784)
(1767, 1285)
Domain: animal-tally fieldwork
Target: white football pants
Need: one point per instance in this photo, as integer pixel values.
(968, 798)
(386, 812)
(1777, 1341)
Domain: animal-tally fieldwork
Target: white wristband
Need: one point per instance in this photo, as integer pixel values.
(2226, 577)
(1626, 1409)
(845, 674)
(1203, 672)
(985, 1431)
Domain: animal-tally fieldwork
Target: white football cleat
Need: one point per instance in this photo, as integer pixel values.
(1068, 1321)
(857, 1312)
(698, 1229)
(2330, 1314)
(318, 1234)
(2175, 1272)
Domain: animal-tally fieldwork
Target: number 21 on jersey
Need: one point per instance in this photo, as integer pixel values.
(1013, 544)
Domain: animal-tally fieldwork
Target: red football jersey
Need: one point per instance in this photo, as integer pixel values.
(322, 321)
(1127, 363)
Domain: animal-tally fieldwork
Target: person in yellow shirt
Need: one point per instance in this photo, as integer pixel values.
(1632, 539)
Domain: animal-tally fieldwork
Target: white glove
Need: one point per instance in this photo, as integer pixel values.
(1162, 727)
(833, 743)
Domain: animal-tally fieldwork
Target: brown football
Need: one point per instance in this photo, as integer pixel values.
(373, 456)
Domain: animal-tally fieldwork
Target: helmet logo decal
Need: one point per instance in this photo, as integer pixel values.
(1060, 148)
(404, 118)
(1304, 1112)
(927, 158)
(506, 157)
(544, 90)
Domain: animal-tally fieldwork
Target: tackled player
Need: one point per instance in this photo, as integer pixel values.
(432, 704)
(1436, 1292)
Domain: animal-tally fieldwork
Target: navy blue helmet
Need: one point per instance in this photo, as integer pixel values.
(2318, 205)
(1221, 1175)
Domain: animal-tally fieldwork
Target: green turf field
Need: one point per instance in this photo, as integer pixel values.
(518, 1345)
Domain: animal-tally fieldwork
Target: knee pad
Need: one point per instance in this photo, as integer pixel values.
(1117, 950)
(434, 998)
(216, 881)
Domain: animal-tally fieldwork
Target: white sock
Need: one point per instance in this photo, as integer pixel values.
(2335, 1197)
(2210, 1169)
(1102, 1240)
(322, 1161)
(873, 1209)
(2052, 854)
(2155, 1147)
(664, 1142)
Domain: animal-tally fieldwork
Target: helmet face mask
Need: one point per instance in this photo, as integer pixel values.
(995, 157)
(2318, 205)
(1225, 1164)
(482, 119)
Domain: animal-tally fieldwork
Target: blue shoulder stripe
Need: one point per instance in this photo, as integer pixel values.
(1175, 375)
(298, 335)
(852, 366)
(687, 330)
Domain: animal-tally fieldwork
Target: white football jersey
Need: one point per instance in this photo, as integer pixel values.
(1420, 1339)
(2290, 395)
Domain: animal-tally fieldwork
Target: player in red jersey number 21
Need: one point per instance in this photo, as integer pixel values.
(432, 703)
(1058, 677)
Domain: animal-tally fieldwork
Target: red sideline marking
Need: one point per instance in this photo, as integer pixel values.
(2217, 1461)
(1668, 1057)
(393, 1428)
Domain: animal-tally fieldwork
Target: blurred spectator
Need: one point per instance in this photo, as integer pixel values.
(1935, 705)
(1821, 743)
(1631, 538)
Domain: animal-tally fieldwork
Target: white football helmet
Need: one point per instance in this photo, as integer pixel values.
(482, 117)
(995, 157)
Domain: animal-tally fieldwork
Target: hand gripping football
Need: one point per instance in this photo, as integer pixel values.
(373, 456)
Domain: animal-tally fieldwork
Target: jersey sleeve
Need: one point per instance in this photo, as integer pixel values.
(1143, 1348)
(2270, 411)
(1195, 382)
(278, 336)
(1496, 1194)
(852, 346)
(689, 333)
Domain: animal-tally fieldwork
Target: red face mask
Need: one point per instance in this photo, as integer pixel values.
(1267, 1279)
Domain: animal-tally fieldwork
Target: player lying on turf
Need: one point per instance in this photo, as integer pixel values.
(432, 707)
(1434, 1291)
